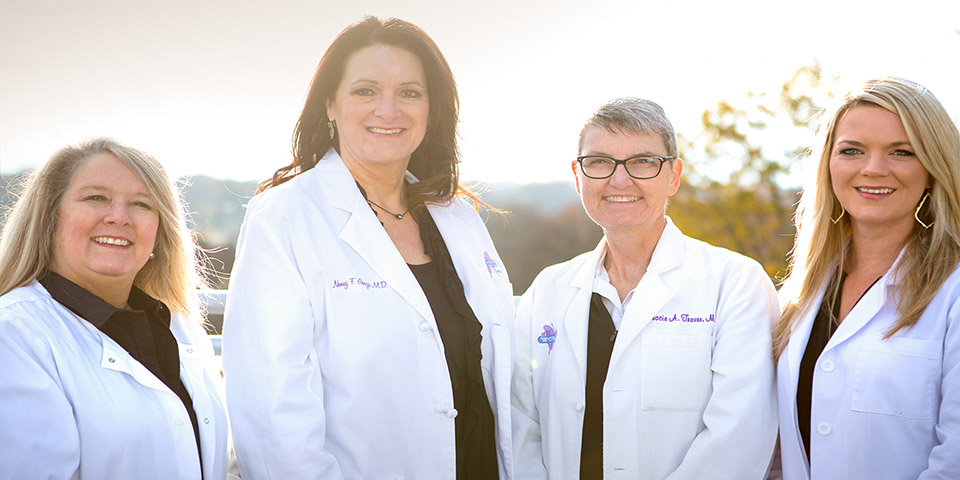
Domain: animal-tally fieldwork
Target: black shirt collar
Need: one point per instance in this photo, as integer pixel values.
(95, 309)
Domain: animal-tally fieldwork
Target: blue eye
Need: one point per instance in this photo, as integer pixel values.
(849, 151)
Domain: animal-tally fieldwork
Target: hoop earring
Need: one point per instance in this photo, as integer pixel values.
(836, 220)
(332, 130)
(916, 214)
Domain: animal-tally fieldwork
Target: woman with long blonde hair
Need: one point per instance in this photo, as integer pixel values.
(105, 368)
(868, 342)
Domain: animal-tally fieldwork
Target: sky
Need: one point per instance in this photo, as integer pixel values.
(214, 87)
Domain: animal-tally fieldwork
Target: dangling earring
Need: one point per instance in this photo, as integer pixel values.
(330, 127)
(836, 220)
(916, 214)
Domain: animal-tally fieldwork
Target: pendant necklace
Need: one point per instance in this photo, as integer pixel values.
(398, 216)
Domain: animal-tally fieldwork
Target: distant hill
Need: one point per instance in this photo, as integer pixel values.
(544, 223)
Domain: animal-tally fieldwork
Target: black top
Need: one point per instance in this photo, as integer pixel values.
(824, 325)
(601, 335)
(460, 332)
(144, 331)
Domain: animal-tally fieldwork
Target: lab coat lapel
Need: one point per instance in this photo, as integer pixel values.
(468, 259)
(867, 308)
(577, 317)
(364, 234)
(651, 293)
(489, 293)
(798, 341)
(789, 365)
(862, 312)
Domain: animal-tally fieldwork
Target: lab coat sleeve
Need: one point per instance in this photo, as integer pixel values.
(944, 459)
(273, 385)
(528, 452)
(38, 433)
(740, 419)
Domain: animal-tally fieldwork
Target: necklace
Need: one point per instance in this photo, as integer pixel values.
(398, 216)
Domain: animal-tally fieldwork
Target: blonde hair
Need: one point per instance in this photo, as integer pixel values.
(26, 243)
(929, 256)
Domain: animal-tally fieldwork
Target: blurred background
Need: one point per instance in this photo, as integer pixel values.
(213, 89)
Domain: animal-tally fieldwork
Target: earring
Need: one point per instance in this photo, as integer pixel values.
(151, 255)
(835, 220)
(916, 214)
(332, 130)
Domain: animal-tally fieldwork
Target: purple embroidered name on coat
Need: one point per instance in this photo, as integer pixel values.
(683, 317)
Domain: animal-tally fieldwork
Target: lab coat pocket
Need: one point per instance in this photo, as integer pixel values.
(674, 372)
(897, 376)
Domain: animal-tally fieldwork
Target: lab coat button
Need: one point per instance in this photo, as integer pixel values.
(112, 360)
(206, 420)
(452, 412)
(189, 349)
(823, 428)
(827, 366)
(179, 422)
(424, 326)
(578, 407)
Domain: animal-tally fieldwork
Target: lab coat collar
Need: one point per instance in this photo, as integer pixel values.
(651, 296)
(362, 230)
(652, 292)
(881, 294)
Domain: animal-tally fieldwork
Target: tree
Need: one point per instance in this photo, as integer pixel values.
(750, 211)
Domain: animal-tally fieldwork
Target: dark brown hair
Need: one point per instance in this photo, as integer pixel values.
(435, 161)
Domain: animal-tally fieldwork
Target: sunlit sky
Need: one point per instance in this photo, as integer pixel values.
(214, 87)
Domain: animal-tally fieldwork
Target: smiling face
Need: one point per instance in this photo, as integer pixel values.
(874, 172)
(381, 107)
(106, 227)
(621, 202)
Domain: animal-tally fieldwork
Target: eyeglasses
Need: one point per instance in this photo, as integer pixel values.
(639, 167)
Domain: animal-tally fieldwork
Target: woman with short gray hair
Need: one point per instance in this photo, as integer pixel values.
(649, 357)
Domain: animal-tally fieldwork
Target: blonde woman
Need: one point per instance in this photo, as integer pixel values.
(104, 369)
(869, 338)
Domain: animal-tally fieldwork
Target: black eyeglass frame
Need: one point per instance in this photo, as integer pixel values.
(617, 162)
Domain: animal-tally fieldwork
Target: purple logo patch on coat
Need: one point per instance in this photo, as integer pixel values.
(548, 336)
(492, 265)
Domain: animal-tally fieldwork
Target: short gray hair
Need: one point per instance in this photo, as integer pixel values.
(633, 115)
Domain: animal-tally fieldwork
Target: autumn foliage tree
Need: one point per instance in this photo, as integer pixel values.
(765, 137)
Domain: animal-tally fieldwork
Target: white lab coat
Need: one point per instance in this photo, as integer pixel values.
(334, 365)
(689, 391)
(76, 405)
(881, 409)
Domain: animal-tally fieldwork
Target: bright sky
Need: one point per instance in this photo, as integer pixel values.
(214, 87)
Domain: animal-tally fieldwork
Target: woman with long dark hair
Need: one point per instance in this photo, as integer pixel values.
(368, 323)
